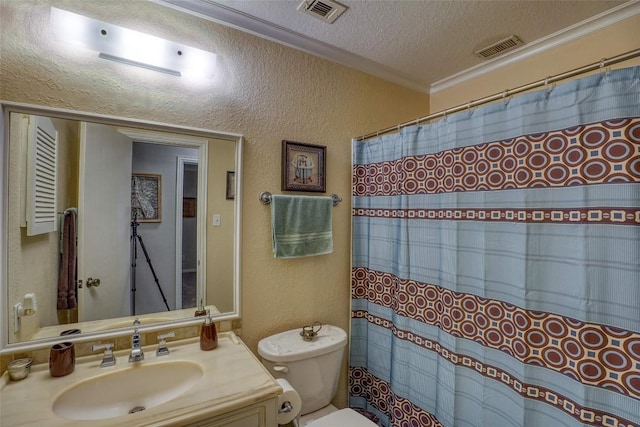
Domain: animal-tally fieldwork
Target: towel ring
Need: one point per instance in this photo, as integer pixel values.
(265, 198)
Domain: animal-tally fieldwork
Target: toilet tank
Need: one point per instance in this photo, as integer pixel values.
(311, 367)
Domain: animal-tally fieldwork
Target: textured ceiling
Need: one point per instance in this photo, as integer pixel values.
(418, 42)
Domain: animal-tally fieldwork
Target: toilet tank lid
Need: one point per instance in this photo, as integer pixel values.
(289, 346)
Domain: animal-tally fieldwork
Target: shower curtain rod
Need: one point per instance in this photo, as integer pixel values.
(551, 79)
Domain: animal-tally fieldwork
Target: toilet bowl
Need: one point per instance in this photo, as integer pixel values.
(313, 370)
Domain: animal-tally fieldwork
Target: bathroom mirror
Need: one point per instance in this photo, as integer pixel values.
(147, 205)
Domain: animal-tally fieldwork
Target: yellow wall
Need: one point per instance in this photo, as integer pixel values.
(220, 239)
(264, 90)
(610, 41)
(42, 250)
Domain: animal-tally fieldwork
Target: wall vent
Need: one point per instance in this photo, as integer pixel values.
(324, 10)
(498, 47)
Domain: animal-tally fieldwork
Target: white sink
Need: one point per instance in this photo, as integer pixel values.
(125, 391)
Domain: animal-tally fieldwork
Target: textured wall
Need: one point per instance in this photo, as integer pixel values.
(610, 41)
(265, 91)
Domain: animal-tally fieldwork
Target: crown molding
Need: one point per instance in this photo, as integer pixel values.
(221, 14)
(581, 29)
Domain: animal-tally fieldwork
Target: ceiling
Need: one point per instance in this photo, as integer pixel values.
(415, 43)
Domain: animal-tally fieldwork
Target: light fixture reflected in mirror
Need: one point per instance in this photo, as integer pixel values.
(131, 47)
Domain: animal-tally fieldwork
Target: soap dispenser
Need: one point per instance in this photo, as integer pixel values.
(200, 311)
(208, 334)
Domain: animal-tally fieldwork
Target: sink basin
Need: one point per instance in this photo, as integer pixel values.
(126, 391)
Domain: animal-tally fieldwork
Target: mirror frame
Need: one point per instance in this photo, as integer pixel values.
(9, 107)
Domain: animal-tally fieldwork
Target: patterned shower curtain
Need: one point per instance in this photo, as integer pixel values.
(496, 263)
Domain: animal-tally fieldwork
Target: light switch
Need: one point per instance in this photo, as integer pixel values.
(216, 220)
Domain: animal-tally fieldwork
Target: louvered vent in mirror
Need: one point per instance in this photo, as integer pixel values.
(324, 10)
(41, 191)
(498, 47)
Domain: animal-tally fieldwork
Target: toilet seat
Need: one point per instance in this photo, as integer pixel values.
(343, 418)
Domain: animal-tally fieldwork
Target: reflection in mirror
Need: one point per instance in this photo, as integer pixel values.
(126, 235)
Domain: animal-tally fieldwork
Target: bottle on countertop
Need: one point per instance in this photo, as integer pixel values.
(208, 334)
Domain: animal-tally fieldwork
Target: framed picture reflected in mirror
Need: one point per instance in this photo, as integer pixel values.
(189, 207)
(231, 185)
(146, 197)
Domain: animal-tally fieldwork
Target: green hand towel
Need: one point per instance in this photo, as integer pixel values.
(301, 226)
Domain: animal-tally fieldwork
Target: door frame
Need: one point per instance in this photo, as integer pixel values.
(201, 144)
(181, 162)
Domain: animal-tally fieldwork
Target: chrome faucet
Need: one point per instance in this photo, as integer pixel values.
(136, 349)
(163, 350)
(107, 359)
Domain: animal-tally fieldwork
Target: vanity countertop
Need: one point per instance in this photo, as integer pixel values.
(233, 378)
(121, 322)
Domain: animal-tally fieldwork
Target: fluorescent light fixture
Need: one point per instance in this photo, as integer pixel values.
(139, 64)
(131, 47)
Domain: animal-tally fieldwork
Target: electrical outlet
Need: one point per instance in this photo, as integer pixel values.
(216, 220)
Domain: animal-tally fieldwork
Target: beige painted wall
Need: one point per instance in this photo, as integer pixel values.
(25, 252)
(608, 42)
(222, 158)
(265, 91)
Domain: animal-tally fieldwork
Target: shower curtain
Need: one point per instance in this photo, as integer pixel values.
(496, 263)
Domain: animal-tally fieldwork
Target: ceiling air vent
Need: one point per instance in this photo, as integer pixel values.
(498, 47)
(324, 10)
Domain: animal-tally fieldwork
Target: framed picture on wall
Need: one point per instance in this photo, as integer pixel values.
(231, 185)
(146, 197)
(303, 167)
(189, 207)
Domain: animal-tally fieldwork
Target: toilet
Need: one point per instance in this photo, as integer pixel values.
(313, 370)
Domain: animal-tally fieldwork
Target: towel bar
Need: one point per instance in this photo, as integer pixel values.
(265, 198)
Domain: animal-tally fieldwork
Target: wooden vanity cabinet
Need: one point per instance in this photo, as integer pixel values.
(261, 414)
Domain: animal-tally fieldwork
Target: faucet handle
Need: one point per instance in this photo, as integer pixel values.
(107, 359)
(163, 350)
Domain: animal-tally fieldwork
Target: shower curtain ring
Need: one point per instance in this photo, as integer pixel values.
(603, 68)
(547, 86)
(504, 96)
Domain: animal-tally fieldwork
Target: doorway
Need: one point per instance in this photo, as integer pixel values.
(186, 232)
